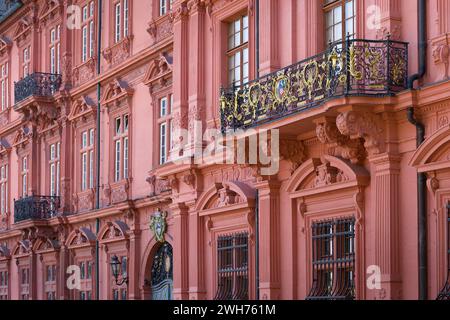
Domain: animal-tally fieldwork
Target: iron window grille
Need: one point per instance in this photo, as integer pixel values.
(232, 267)
(333, 260)
(445, 292)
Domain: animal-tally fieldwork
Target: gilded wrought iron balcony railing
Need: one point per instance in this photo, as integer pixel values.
(349, 68)
(37, 84)
(36, 208)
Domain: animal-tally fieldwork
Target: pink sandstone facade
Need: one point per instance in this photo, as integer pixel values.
(91, 149)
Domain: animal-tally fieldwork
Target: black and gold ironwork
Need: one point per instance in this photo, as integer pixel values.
(162, 273)
(348, 68)
(333, 265)
(37, 84)
(36, 208)
(232, 267)
(445, 292)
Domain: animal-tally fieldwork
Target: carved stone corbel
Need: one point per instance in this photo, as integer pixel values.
(293, 151)
(339, 145)
(366, 125)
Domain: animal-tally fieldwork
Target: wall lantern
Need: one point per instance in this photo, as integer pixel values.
(115, 268)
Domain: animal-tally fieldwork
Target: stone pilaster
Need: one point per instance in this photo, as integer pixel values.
(269, 240)
(63, 291)
(181, 251)
(196, 83)
(197, 289)
(269, 33)
(134, 292)
(386, 170)
(180, 77)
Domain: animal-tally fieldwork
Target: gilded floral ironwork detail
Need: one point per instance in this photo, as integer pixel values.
(352, 67)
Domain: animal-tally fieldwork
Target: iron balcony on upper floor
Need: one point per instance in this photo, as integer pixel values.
(353, 67)
(36, 208)
(37, 84)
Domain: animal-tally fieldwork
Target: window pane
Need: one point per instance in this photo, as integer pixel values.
(117, 162)
(83, 171)
(91, 137)
(163, 107)
(125, 123)
(118, 125)
(349, 9)
(91, 169)
(337, 13)
(162, 143)
(338, 32)
(84, 140)
(125, 158)
(245, 29)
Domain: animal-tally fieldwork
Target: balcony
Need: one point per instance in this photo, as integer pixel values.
(372, 68)
(37, 84)
(36, 208)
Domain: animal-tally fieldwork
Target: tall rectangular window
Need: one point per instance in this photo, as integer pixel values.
(24, 176)
(4, 283)
(24, 274)
(86, 267)
(333, 260)
(121, 20)
(121, 148)
(87, 159)
(3, 189)
(238, 54)
(340, 19)
(232, 267)
(26, 61)
(50, 282)
(118, 22)
(55, 165)
(162, 7)
(126, 18)
(4, 86)
(55, 49)
(165, 127)
(88, 31)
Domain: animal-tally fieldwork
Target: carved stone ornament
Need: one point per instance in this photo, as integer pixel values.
(158, 225)
(364, 125)
(339, 145)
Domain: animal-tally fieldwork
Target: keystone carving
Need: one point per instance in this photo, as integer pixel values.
(364, 125)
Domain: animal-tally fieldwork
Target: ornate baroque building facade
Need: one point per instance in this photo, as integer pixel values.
(101, 193)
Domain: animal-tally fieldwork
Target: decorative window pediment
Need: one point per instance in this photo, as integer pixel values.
(5, 45)
(223, 196)
(50, 10)
(318, 175)
(434, 153)
(159, 73)
(4, 146)
(114, 231)
(22, 136)
(4, 252)
(81, 237)
(22, 247)
(116, 93)
(47, 245)
(83, 107)
(23, 30)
